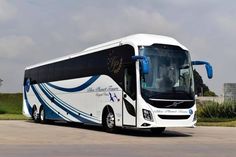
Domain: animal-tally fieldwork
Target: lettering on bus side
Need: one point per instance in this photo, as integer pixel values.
(103, 89)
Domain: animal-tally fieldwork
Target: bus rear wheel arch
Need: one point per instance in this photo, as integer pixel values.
(108, 119)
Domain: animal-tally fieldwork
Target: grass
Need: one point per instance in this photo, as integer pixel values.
(211, 109)
(12, 117)
(222, 124)
(11, 103)
(211, 113)
(11, 106)
(226, 122)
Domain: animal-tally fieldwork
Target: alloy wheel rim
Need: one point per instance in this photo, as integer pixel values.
(35, 114)
(42, 115)
(110, 120)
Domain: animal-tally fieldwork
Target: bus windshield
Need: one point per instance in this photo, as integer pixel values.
(170, 72)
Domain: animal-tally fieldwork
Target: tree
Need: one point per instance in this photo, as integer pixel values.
(201, 88)
(1, 82)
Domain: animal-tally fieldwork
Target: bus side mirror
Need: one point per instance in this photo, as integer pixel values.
(143, 62)
(208, 67)
(209, 71)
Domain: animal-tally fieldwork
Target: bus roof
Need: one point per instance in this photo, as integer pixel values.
(134, 40)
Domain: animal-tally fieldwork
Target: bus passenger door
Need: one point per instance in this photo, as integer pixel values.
(129, 97)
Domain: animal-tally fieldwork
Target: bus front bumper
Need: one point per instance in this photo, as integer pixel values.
(170, 118)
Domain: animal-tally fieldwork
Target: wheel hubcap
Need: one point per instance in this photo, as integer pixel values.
(42, 115)
(110, 120)
(35, 114)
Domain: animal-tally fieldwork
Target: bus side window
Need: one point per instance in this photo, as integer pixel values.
(130, 81)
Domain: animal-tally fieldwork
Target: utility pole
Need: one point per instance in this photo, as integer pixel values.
(202, 91)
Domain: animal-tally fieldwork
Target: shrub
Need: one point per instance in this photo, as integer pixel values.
(11, 103)
(2, 112)
(211, 109)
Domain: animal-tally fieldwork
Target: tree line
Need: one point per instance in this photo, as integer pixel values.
(1, 82)
(201, 89)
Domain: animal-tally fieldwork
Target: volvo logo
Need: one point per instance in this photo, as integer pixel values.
(174, 104)
(190, 111)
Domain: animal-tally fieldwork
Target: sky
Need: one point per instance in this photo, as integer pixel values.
(33, 31)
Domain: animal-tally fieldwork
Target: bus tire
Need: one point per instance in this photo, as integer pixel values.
(35, 116)
(108, 120)
(158, 131)
(42, 118)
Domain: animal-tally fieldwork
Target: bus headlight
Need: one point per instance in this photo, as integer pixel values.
(147, 115)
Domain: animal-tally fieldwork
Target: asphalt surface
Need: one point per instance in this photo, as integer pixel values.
(27, 139)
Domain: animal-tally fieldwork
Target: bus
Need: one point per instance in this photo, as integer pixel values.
(141, 81)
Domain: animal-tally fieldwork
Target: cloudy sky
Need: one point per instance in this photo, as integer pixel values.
(33, 31)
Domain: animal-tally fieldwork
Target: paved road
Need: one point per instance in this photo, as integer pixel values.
(27, 139)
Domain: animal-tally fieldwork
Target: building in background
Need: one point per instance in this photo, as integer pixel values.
(229, 94)
(230, 91)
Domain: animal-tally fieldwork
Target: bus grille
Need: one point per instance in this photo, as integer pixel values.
(169, 104)
(174, 116)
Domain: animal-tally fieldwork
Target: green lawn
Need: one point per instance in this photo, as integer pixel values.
(11, 106)
(11, 103)
(217, 122)
(223, 124)
(12, 117)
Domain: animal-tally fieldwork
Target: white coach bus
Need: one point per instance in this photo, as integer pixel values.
(142, 81)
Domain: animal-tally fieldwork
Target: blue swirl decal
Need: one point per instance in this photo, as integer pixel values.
(27, 85)
(75, 89)
(55, 98)
(80, 117)
(48, 109)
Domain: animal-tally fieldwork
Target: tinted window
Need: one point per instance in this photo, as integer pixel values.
(109, 62)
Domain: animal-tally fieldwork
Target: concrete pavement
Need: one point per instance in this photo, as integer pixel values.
(25, 138)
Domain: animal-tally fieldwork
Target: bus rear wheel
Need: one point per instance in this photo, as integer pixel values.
(35, 114)
(109, 120)
(42, 115)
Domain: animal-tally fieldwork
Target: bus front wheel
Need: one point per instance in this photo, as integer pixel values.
(108, 120)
